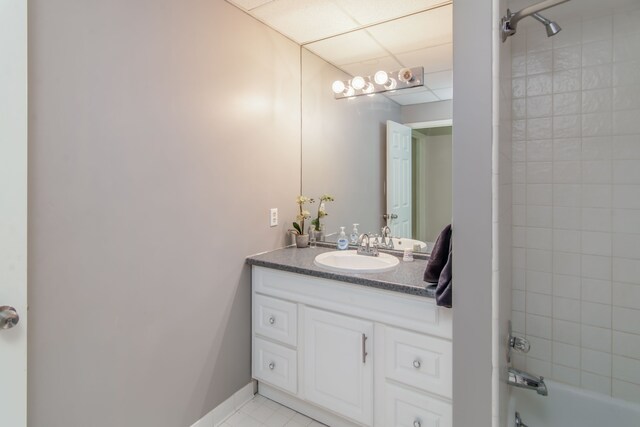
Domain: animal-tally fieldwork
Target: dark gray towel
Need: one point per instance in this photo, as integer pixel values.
(439, 256)
(444, 290)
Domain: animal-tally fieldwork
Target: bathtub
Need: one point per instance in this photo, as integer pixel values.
(567, 406)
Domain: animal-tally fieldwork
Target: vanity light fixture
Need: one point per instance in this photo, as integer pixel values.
(381, 81)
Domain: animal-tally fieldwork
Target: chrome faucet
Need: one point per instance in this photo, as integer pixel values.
(368, 250)
(525, 380)
(386, 233)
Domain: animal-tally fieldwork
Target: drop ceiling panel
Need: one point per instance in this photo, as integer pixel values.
(305, 20)
(433, 59)
(415, 32)
(247, 5)
(439, 80)
(348, 48)
(368, 68)
(443, 94)
(404, 98)
(372, 11)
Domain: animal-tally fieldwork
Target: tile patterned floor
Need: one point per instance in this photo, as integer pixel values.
(262, 412)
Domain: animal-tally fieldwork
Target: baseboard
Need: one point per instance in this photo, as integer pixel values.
(227, 408)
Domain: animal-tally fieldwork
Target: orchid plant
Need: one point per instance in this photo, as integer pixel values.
(322, 212)
(302, 215)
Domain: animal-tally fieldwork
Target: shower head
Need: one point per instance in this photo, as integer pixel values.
(552, 27)
(509, 22)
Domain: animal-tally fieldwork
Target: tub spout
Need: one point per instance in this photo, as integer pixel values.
(525, 380)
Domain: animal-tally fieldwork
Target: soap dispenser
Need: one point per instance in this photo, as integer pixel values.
(353, 238)
(342, 243)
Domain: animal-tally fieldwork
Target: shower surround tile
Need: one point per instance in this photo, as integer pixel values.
(576, 200)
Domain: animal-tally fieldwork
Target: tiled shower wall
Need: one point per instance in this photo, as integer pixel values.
(576, 201)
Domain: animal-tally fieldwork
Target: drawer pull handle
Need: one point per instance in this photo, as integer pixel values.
(272, 365)
(272, 320)
(417, 423)
(416, 364)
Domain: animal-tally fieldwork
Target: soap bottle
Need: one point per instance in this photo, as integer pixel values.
(343, 243)
(353, 238)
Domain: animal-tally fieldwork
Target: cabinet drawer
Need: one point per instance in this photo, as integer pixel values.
(276, 319)
(275, 365)
(418, 360)
(406, 408)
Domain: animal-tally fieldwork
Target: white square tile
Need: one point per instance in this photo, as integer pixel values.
(626, 295)
(626, 122)
(519, 172)
(518, 322)
(566, 375)
(566, 286)
(539, 173)
(566, 58)
(539, 62)
(568, 218)
(626, 245)
(538, 304)
(626, 147)
(626, 344)
(539, 282)
(600, 28)
(519, 130)
(566, 263)
(518, 194)
(596, 219)
(540, 194)
(626, 98)
(539, 367)
(596, 362)
(539, 238)
(626, 270)
(596, 148)
(540, 151)
(595, 314)
(626, 73)
(596, 243)
(540, 348)
(567, 195)
(626, 369)
(626, 391)
(596, 338)
(567, 149)
(518, 300)
(540, 84)
(539, 260)
(540, 128)
(626, 320)
(518, 279)
(567, 81)
(518, 65)
(567, 103)
(597, 101)
(626, 171)
(597, 383)
(594, 290)
(597, 53)
(566, 172)
(518, 237)
(597, 124)
(518, 87)
(571, 34)
(539, 216)
(537, 41)
(566, 332)
(596, 195)
(566, 241)
(598, 77)
(539, 326)
(626, 221)
(626, 196)
(566, 309)
(566, 355)
(569, 126)
(626, 47)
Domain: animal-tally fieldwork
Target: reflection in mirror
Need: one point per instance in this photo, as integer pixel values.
(344, 141)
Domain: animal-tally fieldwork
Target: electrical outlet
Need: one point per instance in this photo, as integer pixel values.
(273, 217)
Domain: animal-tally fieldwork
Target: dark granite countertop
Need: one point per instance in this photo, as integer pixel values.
(405, 278)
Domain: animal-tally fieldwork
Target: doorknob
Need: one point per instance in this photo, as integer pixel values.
(387, 217)
(8, 317)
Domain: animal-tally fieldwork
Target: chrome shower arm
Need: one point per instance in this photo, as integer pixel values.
(530, 10)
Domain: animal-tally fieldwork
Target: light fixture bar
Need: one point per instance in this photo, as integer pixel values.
(368, 85)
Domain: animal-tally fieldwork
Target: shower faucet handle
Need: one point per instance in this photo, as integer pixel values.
(519, 344)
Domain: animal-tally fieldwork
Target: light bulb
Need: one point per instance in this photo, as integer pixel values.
(391, 84)
(349, 92)
(368, 88)
(405, 75)
(358, 82)
(337, 86)
(381, 77)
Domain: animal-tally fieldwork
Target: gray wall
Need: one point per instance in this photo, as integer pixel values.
(161, 132)
(472, 213)
(441, 110)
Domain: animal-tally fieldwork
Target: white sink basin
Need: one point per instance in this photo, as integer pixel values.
(351, 262)
(402, 243)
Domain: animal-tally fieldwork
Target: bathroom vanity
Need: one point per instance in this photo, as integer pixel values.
(350, 349)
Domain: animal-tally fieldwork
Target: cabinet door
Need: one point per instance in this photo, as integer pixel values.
(338, 366)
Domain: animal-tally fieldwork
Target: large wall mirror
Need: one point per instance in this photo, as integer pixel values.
(347, 144)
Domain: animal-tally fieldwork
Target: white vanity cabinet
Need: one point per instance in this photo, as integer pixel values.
(351, 355)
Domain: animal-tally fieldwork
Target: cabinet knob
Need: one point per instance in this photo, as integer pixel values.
(417, 423)
(416, 364)
(272, 320)
(272, 365)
